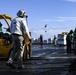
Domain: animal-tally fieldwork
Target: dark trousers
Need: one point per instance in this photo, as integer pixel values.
(69, 47)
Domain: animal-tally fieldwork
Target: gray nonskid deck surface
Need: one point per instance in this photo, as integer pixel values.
(44, 61)
(38, 66)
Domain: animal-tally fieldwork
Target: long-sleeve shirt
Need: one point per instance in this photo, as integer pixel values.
(19, 26)
(69, 37)
(0, 29)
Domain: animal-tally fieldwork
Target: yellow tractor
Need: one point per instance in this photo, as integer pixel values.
(6, 43)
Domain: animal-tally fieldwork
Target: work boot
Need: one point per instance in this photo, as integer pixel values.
(21, 67)
(10, 64)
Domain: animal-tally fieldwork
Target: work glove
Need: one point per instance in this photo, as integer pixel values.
(8, 29)
(30, 40)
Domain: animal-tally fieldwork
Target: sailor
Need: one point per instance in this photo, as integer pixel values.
(18, 29)
(69, 41)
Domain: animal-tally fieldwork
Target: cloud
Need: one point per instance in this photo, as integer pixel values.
(67, 18)
(61, 24)
(52, 20)
(59, 19)
(49, 34)
(70, 0)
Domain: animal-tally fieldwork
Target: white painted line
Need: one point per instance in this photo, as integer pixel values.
(60, 57)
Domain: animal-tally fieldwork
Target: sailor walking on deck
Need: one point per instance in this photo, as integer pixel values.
(18, 28)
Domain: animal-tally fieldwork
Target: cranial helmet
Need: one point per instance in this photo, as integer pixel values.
(71, 31)
(21, 13)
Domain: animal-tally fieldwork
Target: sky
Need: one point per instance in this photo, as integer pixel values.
(58, 15)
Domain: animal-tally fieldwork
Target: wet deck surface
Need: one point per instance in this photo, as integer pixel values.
(48, 62)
